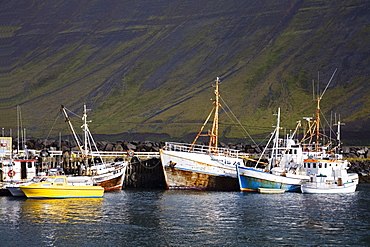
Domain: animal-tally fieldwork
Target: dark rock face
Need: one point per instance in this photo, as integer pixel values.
(362, 168)
(132, 48)
(360, 162)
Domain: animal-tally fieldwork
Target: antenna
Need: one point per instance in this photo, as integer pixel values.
(313, 89)
(327, 85)
(318, 83)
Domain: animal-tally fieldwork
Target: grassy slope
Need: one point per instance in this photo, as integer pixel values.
(149, 67)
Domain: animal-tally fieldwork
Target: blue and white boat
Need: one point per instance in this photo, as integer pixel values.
(251, 179)
(276, 174)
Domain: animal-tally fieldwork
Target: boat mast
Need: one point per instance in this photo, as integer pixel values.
(317, 125)
(295, 130)
(19, 128)
(84, 155)
(213, 140)
(85, 129)
(276, 144)
(314, 126)
(213, 134)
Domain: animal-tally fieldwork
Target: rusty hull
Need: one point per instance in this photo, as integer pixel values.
(112, 184)
(185, 179)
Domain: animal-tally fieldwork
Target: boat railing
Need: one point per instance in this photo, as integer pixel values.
(201, 149)
(124, 154)
(253, 156)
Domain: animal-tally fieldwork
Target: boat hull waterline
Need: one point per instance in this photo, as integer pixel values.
(112, 180)
(329, 188)
(194, 171)
(63, 193)
(251, 179)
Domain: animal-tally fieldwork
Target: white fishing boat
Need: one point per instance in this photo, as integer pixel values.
(327, 171)
(15, 189)
(201, 167)
(289, 162)
(16, 166)
(110, 176)
(329, 176)
(15, 170)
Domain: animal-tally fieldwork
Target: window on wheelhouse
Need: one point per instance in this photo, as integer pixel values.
(59, 180)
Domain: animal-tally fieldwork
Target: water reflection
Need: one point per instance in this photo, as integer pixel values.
(189, 218)
(62, 211)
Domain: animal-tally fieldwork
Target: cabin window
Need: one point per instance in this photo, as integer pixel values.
(308, 165)
(29, 164)
(313, 165)
(326, 165)
(320, 165)
(59, 180)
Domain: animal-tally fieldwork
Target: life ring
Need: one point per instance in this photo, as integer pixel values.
(11, 173)
(130, 152)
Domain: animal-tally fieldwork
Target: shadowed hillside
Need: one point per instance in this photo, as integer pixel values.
(147, 66)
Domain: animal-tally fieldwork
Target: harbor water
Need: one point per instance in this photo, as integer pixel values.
(189, 218)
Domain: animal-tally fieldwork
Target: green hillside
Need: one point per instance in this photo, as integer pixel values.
(146, 68)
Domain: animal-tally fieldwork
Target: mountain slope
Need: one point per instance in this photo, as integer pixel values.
(148, 67)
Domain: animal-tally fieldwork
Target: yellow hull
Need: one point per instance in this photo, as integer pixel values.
(61, 192)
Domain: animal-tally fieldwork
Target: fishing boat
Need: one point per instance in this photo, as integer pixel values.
(14, 170)
(201, 167)
(108, 175)
(272, 175)
(290, 161)
(328, 170)
(16, 165)
(329, 176)
(57, 187)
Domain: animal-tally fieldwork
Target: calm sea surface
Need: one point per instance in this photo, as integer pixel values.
(189, 218)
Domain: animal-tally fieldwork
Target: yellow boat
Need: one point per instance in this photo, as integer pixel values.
(57, 187)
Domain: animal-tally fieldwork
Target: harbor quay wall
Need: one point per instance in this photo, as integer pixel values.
(359, 157)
